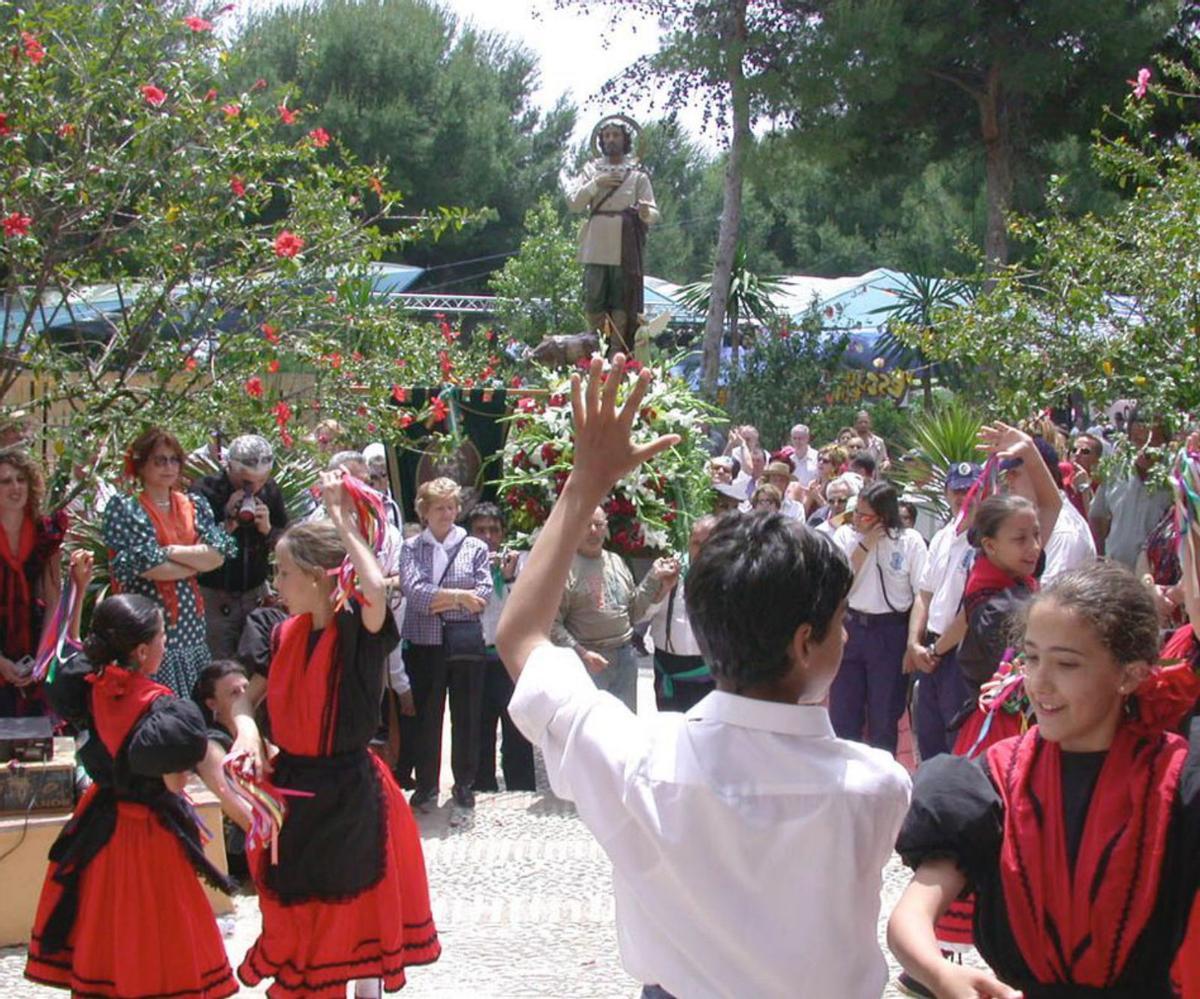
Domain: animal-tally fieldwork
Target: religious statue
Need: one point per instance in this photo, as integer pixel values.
(615, 193)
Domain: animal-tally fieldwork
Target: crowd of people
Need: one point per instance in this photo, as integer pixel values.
(749, 818)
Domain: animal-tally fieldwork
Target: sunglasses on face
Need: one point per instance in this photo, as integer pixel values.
(165, 460)
(837, 502)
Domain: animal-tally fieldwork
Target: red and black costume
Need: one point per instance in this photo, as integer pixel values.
(21, 610)
(122, 913)
(1085, 866)
(348, 898)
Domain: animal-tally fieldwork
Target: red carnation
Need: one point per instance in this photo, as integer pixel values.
(558, 399)
(526, 405)
(33, 48)
(549, 453)
(405, 420)
(516, 381)
(237, 186)
(273, 365)
(320, 138)
(197, 24)
(17, 224)
(231, 111)
(287, 438)
(288, 244)
(154, 96)
(439, 409)
(210, 95)
(334, 359)
(399, 393)
(270, 332)
(283, 413)
(286, 114)
(254, 387)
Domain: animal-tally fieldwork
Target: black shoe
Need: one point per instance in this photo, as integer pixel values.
(911, 987)
(464, 797)
(422, 798)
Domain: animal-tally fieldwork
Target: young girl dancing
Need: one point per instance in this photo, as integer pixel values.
(1080, 837)
(346, 898)
(122, 913)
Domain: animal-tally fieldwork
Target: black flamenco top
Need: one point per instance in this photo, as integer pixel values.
(324, 691)
(957, 813)
(135, 732)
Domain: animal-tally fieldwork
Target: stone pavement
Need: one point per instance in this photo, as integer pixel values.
(523, 900)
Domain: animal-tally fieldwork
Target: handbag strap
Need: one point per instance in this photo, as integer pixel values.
(883, 585)
(450, 557)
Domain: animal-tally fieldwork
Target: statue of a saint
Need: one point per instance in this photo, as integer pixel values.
(615, 193)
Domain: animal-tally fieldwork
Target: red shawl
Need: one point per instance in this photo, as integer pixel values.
(1080, 929)
(986, 579)
(302, 690)
(119, 698)
(176, 526)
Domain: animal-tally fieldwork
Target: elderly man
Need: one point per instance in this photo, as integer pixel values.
(873, 444)
(802, 457)
(838, 495)
(600, 604)
(247, 501)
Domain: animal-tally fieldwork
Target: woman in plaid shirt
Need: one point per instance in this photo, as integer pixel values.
(447, 578)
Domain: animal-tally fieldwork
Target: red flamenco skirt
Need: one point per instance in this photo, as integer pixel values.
(312, 949)
(144, 927)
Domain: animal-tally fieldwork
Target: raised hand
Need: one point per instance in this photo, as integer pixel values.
(1003, 440)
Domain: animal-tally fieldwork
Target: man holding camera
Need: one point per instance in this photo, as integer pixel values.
(249, 503)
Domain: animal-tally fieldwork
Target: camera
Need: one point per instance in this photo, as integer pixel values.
(245, 512)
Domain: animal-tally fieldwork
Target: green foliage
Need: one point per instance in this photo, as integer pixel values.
(937, 439)
(230, 239)
(446, 107)
(888, 420)
(540, 287)
(785, 378)
(1106, 308)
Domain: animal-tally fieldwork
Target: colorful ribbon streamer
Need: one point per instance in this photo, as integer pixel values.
(986, 485)
(1005, 691)
(266, 802)
(52, 649)
(371, 520)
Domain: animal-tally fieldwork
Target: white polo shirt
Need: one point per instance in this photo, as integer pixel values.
(747, 840)
(805, 469)
(945, 576)
(900, 561)
(1070, 544)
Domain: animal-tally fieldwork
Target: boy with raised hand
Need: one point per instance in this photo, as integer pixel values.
(747, 841)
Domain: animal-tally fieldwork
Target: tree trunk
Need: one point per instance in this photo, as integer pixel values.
(997, 144)
(731, 209)
(735, 336)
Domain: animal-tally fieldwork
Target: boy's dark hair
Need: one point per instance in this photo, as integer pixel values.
(757, 579)
(884, 501)
(483, 511)
(210, 676)
(864, 464)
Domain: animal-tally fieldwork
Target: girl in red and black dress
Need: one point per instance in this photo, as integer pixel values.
(122, 913)
(1080, 837)
(348, 899)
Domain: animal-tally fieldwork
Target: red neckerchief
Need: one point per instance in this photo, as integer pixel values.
(18, 635)
(176, 526)
(119, 698)
(302, 690)
(987, 579)
(1080, 929)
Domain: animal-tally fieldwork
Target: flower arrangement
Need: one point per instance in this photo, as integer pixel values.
(651, 510)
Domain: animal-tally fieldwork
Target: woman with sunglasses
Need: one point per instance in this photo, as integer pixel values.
(158, 540)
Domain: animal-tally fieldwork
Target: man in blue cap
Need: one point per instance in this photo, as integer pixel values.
(935, 627)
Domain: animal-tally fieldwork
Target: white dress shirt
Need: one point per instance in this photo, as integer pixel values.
(747, 841)
(945, 575)
(673, 633)
(805, 469)
(901, 559)
(1070, 544)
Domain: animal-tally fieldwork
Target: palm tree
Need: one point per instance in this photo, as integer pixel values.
(939, 437)
(914, 315)
(750, 296)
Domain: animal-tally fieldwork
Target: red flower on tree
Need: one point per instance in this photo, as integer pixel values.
(439, 409)
(288, 244)
(66, 130)
(254, 387)
(5, 127)
(405, 420)
(197, 24)
(190, 364)
(270, 332)
(259, 84)
(445, 363)
(376, 185)
(273, 366)
(154, 96)
(237, 186)
(287, 438)
(334, 359)
(33, 48)
(286, 114)
(320, 138)
(17, 224)
(283, 413)
(400, 393)
(210, 95)
(231, 111)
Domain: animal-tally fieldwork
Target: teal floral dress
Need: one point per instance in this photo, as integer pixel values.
(133, 548)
